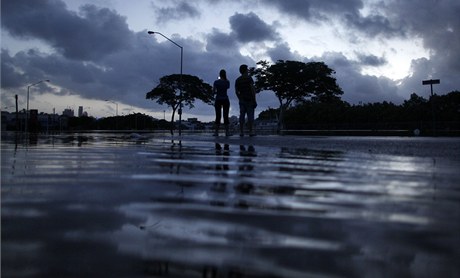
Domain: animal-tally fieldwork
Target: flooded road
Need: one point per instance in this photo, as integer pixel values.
(114, 205)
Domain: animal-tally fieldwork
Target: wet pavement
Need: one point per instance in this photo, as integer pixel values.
(148, 205)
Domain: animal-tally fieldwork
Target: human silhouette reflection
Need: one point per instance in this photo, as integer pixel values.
(245, 169)
(221, 168)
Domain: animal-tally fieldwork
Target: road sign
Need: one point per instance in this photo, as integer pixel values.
(431, 81)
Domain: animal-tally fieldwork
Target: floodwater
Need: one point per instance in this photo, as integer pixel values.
(114, 205)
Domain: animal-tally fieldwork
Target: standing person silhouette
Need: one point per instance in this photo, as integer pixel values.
(244, 88)
(222, 102)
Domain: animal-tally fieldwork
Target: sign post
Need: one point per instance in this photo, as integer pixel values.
(431, 82)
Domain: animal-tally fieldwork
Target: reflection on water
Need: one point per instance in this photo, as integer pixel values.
(115, 205)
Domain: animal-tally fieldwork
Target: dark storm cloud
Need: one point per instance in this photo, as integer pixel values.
(438, 25)
(124, 77)
(97, 56)
(297, 8)
(436, 22)
(121, 73)
(356, 86)
(72, 74)
(348, 12)
(90, 35)
(371, 60)
(282, 51)
(250, 28)
(317, 9)
(245, 28)
(373, 25)
(181, 10)
(218, 41)
(10, 77)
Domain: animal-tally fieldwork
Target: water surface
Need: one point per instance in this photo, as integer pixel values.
(111, 205)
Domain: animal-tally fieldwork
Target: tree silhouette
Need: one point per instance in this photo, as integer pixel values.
(414, 113)
(168, 91)
(296, 81)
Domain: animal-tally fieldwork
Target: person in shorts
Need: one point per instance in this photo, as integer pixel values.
(246, 93)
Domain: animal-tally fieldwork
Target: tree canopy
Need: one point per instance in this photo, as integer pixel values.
(439, 112)
(296, 81)
(168, 91)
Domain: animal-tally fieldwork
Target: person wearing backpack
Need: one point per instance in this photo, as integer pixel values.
(246, 93)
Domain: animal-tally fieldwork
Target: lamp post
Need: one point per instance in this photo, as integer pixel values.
(27, 110)
(180, 78)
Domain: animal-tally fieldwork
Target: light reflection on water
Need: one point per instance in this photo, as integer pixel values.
(99, 204)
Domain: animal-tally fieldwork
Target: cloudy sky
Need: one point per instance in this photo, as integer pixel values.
(98, 50)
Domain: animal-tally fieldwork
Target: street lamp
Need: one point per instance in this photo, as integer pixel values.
(27, 110)
(180, 78)
(116, 104)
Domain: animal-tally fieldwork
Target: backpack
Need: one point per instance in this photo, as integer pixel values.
(243, 85)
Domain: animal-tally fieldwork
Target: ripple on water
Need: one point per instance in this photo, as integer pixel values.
(247, 209)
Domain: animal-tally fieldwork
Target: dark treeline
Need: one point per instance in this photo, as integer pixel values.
(127, 122)
(438, 112)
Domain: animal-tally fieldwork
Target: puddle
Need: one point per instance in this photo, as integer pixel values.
(99, 204)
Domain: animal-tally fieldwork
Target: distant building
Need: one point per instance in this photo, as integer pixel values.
(80, 111)
(267, 125)
(38, 122)
(68, 112)
(191, 124)
(49, 122)
(8, 119)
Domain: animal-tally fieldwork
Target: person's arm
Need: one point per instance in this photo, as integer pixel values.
(253, 89)
(237, 92)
